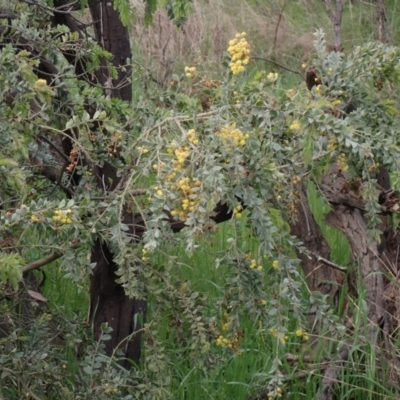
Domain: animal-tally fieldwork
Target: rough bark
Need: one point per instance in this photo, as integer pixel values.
(381, 19)
(348, 215)
(109, 304)
(352, 224)
(114, 37)
(319, 276)
(336, 19)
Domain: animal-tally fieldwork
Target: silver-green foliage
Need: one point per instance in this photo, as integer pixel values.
(285, 138)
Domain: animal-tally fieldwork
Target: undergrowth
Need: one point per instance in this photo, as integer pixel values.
(281, 31)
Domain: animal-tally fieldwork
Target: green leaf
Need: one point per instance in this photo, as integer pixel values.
(150, 9)
(11, 268)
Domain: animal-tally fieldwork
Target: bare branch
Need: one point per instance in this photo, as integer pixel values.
(330, 263)
(277, 25)
(53, 175)
(278, 65)
(51, 144)
(46, 260)
(41, 263)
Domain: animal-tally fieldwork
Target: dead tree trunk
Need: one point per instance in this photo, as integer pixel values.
(381, 19)
(348, 215)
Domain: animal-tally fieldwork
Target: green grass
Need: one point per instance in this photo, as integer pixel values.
(70, 298)
(238, 375)
(340, 249)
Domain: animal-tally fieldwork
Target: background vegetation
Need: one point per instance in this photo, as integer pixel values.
(281, 33)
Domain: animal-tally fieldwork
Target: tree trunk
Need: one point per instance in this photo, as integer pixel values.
(348, 215)
(109, 304)
(319, 276)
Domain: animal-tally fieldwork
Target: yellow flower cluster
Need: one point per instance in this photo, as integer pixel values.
(301, 333)
(114, 142)
(336, 102)
(296, 179)
(158, 191)
(276, 266)
(62, 217)
(158, 167)
(187, 197)
(237, 211)
(294, 126)
(254, 265)
(291, 92)
(144, 252)
(225, 342)
(239, 51)
(236, 97)
(225, 325)
(232, 135)
(272, 76)
(342, 162)
(192, 136)
(190, 72)
(181, 154)
(110, 390)
(277, 393)
(171, 176)
(35, 219)
(332, 144)
(143, 149)
(373, 167)
(282, 339)
(40, 84)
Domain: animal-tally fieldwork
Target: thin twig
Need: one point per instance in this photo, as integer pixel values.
(277, 25)
(51, 144)
(279, 65)
(330, 263)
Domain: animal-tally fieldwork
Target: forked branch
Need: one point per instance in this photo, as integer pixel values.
(336, 19)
